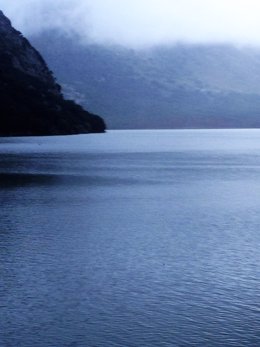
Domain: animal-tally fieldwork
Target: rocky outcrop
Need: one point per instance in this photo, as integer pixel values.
(31, 102)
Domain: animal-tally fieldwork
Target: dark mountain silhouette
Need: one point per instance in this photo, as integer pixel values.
(181, 86)
(31, 102)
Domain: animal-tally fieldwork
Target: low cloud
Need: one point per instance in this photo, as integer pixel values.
(137, 23)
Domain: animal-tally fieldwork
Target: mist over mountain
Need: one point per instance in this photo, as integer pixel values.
(166, 86)
(31, 102)
(135, 23)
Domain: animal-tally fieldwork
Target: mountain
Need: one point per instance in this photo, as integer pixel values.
(180, 86)
(31, 102)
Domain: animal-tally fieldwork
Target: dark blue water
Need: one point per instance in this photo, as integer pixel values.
(131, 238)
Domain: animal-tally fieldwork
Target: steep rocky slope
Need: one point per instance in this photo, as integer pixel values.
(31, 102)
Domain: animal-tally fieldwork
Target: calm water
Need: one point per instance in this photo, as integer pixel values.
(131, 239)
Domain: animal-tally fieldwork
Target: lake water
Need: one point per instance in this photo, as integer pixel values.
(131, 239)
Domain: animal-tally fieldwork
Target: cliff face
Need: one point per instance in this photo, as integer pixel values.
(31, 102)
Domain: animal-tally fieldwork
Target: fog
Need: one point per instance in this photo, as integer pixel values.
(137, 23)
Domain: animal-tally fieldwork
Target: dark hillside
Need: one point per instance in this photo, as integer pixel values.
(31, 102)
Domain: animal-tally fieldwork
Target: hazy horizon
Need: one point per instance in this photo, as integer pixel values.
(133, 23)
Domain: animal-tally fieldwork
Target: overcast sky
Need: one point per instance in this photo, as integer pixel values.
(141, 22)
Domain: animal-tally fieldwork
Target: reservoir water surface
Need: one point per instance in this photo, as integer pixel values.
(131, 239)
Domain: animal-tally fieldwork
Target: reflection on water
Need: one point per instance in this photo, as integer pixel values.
(132, 238)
